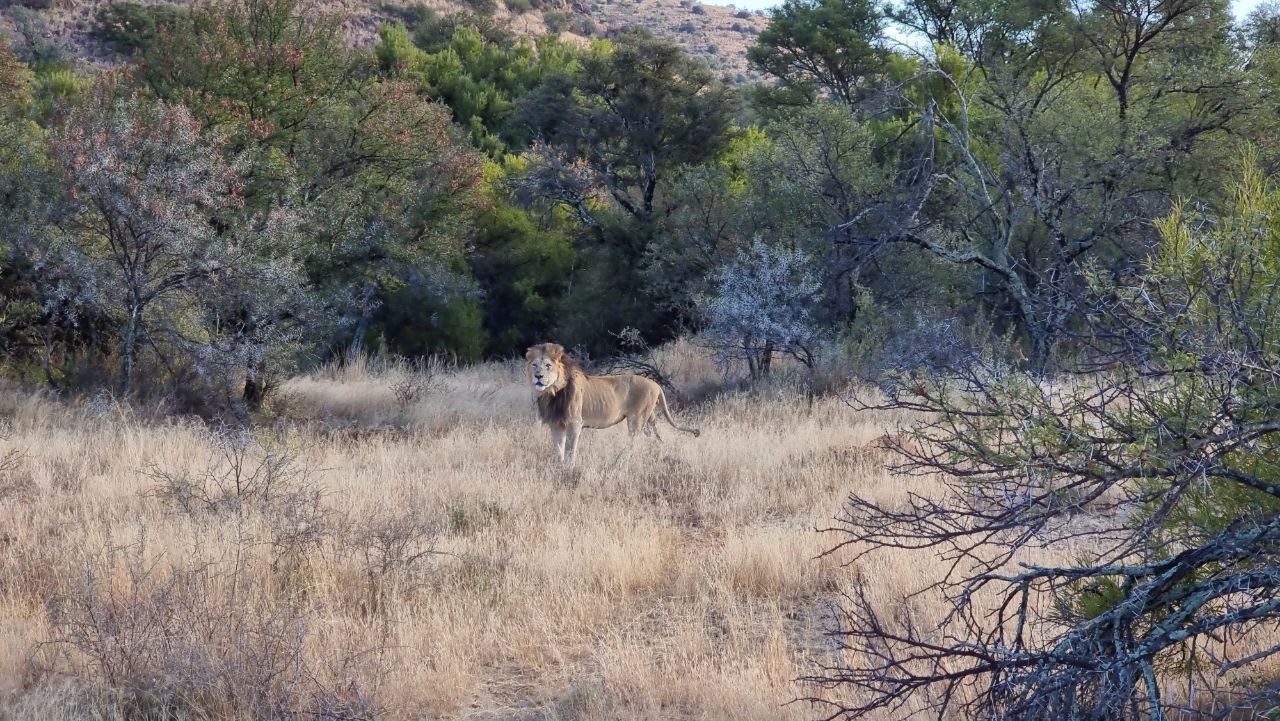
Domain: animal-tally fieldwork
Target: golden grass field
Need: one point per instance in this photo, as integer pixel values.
(426, 557)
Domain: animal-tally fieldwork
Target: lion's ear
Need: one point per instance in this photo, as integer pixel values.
(533, 352)
(555, 351)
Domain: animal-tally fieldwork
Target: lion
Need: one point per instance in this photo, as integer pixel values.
(569, 400)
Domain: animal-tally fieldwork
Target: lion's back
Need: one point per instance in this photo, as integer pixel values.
(609, 399)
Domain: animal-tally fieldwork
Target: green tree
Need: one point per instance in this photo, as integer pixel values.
(25, 194)
(480, 75)
(640, 108)
(145, 234)
(521, 259)
(792, 184)
(1166, 438)
(827, 48)
(376, 170)
(634, 113)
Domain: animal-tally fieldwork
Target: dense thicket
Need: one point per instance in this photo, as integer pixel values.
(459, 189)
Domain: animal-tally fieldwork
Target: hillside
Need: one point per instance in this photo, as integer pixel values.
(716, 33)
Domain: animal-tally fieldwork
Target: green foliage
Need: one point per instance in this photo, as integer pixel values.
(619, 128)
(479, 74)
(557, 20)
(977, 179)
(1097, 597)
(1213, 266)
(825, 48)
(412, 16)
(482, 7)
(789, 184)
(522, 260)
(129, 26)
(415, 321)
(375, 168)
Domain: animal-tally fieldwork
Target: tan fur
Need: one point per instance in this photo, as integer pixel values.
(570, 400)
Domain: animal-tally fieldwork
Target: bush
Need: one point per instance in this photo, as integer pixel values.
(519, 6)
(1164, 435)
(557, 20)
(174, 642)
(698, 10)
(687, 27)
(743, 14)
(130, 26)
(33, 4)
(411, 16)
(483, 7)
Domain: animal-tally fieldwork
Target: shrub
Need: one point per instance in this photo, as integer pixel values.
(698, 10)
(411, 16)
(33, 4)
(557, 20)
(483, 7)
(158, 642)
(130, 26)
(392, 545)
(760, 305)
(1165, 435)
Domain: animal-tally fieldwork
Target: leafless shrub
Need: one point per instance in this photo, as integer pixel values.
(1155, 462)
(392, 545)
(421, 378)
(250, 482)
(162, 643)
(244, 476)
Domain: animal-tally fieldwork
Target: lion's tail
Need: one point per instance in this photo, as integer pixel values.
(662, 401)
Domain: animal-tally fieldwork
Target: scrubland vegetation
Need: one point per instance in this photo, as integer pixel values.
(365, 557)
(986, 291)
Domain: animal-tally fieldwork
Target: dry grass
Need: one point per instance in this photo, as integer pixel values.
(427, 559)
(449, 568)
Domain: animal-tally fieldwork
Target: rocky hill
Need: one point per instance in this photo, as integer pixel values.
(719, 34)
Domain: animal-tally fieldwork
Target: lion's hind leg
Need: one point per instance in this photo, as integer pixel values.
(645, 420)
(653, 426)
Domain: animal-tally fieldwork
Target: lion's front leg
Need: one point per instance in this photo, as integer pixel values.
(575, 428)
(559, 435)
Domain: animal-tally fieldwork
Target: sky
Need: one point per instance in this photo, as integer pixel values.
(1239, 7)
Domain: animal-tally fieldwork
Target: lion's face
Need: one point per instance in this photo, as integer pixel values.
(545, 367)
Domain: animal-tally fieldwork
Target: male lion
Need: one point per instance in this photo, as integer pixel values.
(568, 399)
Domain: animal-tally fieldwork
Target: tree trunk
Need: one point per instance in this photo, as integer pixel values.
(357, 341)
(1041, 344)
(255, 386)
(128, 344)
